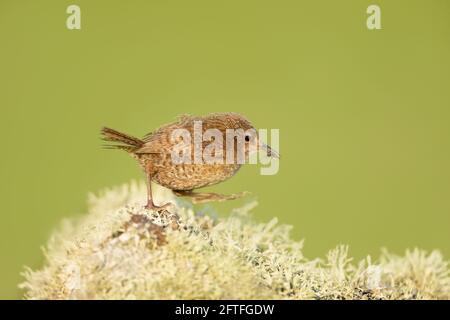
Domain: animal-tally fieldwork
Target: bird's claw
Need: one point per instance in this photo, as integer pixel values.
(197, 197)
(151, 206)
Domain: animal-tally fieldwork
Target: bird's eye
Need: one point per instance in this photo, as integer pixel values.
(247, 138)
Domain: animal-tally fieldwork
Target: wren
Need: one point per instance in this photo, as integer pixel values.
(157, 150)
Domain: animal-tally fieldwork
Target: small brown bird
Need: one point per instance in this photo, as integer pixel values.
(155, 153)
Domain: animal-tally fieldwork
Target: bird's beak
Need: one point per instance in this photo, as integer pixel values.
(269, 151)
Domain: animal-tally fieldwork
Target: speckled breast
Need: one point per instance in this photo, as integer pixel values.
(191, 176)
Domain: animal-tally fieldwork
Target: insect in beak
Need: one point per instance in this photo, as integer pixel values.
(269, 151)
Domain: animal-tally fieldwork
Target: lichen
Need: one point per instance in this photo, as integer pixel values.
(119, 250)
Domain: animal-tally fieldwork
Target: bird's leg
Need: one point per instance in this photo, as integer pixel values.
(150, 204)
(202, 197)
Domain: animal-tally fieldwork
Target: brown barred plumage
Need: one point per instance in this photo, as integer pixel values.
(154, 155)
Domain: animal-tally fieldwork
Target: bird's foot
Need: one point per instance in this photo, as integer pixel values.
(151, 206)
(197, 197)
(163, 212)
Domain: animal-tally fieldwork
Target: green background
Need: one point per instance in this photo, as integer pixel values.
(364, 116)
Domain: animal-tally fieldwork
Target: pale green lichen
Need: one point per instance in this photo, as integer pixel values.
(121, 251)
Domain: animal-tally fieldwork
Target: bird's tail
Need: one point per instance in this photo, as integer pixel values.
(128, 143)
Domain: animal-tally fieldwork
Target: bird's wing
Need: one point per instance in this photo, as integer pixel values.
(159, 141)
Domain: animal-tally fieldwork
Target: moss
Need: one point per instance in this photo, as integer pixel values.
(118, 250)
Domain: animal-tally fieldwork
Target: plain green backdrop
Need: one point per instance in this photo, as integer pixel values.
(364, 116)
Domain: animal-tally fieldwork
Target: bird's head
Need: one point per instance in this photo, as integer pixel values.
(244, 132)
